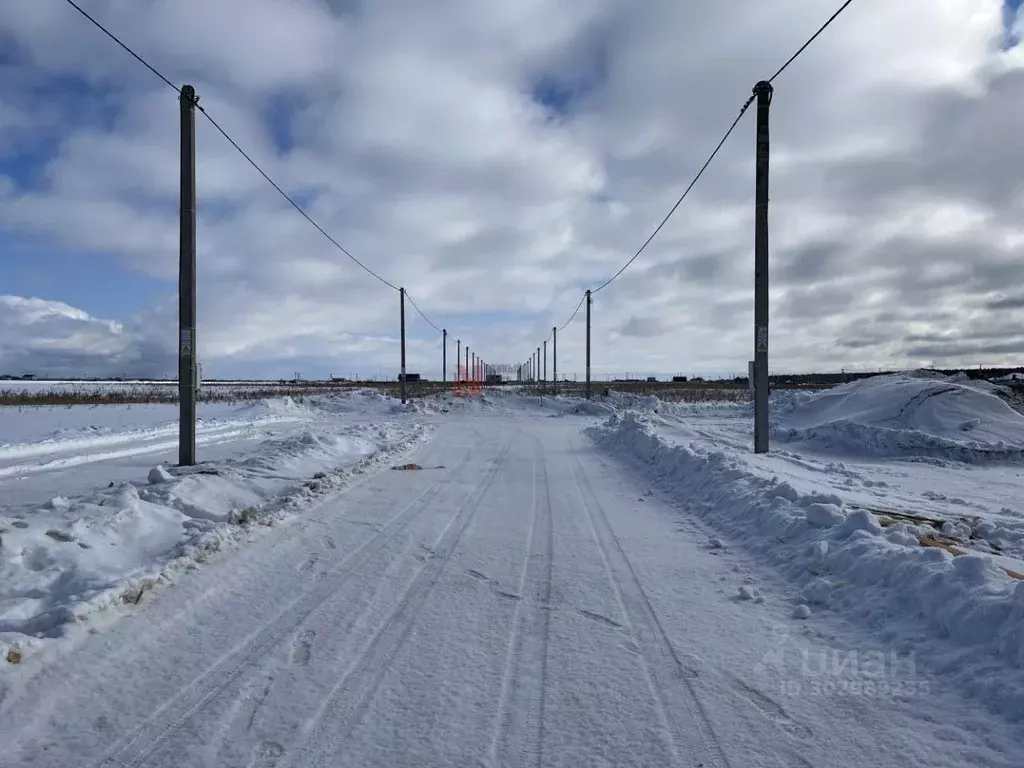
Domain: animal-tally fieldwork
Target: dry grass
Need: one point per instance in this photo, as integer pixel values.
(145, 394)
(676, 392)
(113, 393)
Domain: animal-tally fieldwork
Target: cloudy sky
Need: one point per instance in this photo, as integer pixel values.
(497, 159)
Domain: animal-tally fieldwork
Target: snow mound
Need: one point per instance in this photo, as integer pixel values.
(880, 576)
(907, 415)
(70, 557)
(825, 515)
(276, 407)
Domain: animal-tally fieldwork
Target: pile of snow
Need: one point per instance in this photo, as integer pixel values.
(69, 557)
(277, 407)
(907, 415)
(843, 559)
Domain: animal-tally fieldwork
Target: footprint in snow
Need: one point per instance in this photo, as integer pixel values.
(601, 618)
(265, 754)
(772, 710)
(303, 648)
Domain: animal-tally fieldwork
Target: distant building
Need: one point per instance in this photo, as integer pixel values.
(410, 377)
(493, 378)
(679, 379)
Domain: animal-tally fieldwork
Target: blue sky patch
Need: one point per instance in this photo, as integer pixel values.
(95, 283)
(560, 90)
(1011, 8)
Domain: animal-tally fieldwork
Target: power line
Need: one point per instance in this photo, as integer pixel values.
(294, 204)
(814, 37)
(234, 144)
(575, 312)
(111, 35)
(680, 200)
(746, 106)
(420, 312)
(391, 285)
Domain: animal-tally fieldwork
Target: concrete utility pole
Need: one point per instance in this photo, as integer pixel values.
(401, 304)
(538, 365)
(187, 282)
(467, 362)
(458, 357)
(763, 92)
(588, 343)
(444, 355)
(545, 361)
(554, 361)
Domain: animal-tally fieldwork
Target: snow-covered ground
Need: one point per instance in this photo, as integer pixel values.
(563, 583)
(860, 478)
(93, 510)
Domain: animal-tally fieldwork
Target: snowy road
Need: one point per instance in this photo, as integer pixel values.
(526, 603)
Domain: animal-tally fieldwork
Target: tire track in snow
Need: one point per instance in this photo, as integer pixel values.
(85, 443)
(77, 460)
(693, 742)
(325, 735)
(176, 712)
(518, 738)
(300, 694)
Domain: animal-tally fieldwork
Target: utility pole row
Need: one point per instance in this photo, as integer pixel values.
(535, 369)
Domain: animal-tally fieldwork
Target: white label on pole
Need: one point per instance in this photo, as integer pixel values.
(761, 339)
(185, 343)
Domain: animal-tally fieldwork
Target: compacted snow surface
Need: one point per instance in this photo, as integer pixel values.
(560, 583)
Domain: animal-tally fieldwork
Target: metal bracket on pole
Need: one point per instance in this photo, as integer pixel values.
(187, 282)
(763, 91)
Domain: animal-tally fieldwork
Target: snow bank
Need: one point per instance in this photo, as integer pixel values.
(68, 558)
(907, 415)
(844, 560)
(30, 433)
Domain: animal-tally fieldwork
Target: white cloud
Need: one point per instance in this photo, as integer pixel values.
(52, 338)
(417, 142)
